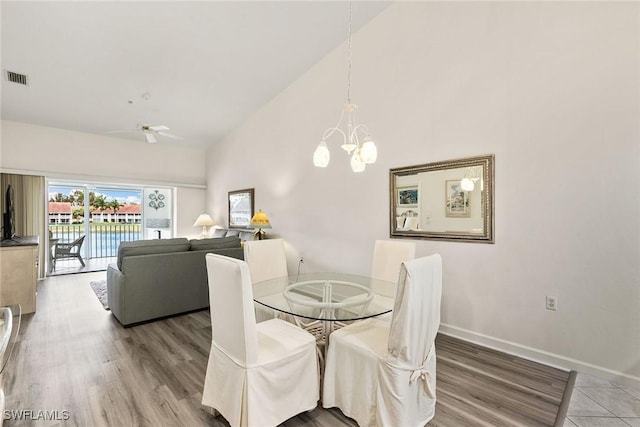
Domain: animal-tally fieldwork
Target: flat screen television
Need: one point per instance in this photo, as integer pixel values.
(9, 216)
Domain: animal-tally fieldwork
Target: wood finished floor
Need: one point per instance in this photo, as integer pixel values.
(73, 355)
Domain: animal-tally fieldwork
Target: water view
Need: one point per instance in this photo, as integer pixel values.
(103, 238)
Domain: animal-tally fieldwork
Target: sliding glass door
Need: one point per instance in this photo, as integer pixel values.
(107, 215)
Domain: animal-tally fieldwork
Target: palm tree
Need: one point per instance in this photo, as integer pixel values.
(114, 204)
(99, 203)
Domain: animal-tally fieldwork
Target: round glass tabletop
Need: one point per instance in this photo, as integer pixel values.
(326, 296)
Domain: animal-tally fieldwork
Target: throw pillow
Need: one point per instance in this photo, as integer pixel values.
(219, 232)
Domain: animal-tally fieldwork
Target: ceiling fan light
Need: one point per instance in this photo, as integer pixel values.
(149, 131)
(369, 152)
(321, 156)
(357, 165)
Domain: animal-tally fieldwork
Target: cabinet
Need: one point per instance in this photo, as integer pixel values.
(19, 273)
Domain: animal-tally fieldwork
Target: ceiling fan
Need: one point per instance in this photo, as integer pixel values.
(149, 131)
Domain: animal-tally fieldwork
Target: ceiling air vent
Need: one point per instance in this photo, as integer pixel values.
(14, 77)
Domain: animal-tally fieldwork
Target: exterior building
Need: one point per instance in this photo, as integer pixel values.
(62, 213)
(129, 214)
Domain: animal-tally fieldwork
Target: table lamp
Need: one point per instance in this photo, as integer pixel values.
(203, 221)
(260, 221)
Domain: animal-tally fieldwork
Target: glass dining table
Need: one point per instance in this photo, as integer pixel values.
(323, 302)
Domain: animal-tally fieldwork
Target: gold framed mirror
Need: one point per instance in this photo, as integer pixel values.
(448, 200)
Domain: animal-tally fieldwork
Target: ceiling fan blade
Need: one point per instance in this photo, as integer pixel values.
(168, 135)
(123, 131)
(151, 139)
(158, 128)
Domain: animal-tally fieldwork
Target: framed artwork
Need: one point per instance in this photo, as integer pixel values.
(457, 200)
(408, 197)
(240, 208)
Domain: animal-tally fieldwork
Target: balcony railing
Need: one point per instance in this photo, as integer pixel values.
(105, 236)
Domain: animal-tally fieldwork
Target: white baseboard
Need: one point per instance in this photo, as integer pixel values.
(540, 356)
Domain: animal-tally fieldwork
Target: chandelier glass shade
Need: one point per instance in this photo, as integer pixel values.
(471, 176)
(356, 140)
(321, 156)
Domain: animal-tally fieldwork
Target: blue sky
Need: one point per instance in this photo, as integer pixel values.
(123, 196)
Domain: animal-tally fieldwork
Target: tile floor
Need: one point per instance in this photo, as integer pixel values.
(600, 403)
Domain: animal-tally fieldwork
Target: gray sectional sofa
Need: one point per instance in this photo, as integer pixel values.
(159, 278)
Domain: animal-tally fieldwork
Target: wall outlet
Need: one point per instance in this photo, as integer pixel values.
(552, 303)
(300, 262)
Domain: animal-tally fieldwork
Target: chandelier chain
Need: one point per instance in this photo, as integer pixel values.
(349, 60)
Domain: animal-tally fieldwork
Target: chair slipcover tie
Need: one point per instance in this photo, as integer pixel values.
(421, 372)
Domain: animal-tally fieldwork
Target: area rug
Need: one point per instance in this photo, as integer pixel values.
(100, 289)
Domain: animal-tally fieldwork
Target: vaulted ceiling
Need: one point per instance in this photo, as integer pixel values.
(206, 65)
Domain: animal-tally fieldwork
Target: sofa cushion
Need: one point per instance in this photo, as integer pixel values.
(145, 247)
(215, 243)
(219, 232)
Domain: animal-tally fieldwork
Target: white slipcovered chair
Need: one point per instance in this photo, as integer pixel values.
(384, 374)
(387, 257)
(267, 260)
(258, 374)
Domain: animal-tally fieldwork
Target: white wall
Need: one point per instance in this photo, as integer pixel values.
(63, 154)
(190, 203)
(552, 90)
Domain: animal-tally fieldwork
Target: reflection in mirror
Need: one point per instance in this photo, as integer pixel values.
(448, 200)
(241, 208)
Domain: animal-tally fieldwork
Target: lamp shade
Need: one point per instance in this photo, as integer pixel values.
(203, 220)
(260, 220)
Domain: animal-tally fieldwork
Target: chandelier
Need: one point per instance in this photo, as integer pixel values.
(356, 140)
